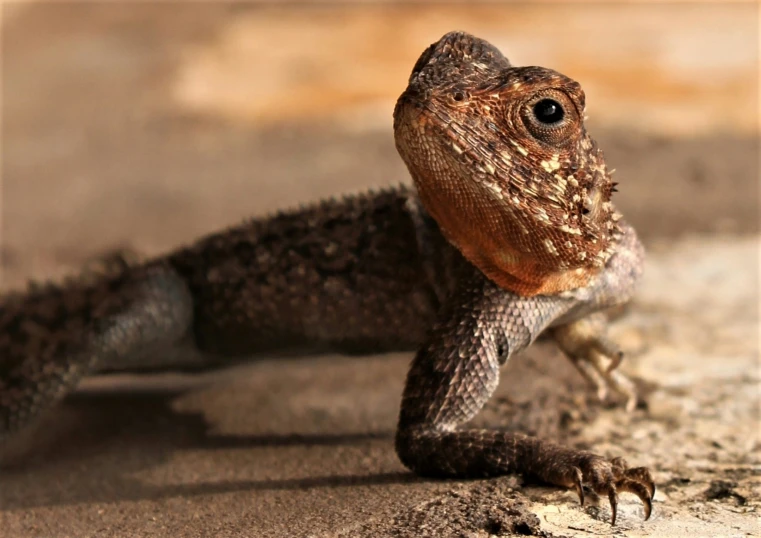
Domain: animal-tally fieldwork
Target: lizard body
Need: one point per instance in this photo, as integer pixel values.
(509, 233)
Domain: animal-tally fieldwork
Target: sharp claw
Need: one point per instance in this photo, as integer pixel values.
(615, 361)
(578, 485)
(642, 476)
(612, 497)
(643, 492)
(637, 481)
(624, 385)
(651, 490)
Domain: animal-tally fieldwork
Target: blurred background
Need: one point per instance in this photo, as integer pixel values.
(145, 125)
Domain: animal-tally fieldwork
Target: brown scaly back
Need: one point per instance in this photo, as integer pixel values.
(502, 162)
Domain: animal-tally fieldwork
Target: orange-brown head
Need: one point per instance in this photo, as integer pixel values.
(502, 162)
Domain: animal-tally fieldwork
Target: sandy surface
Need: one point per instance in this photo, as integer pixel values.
(117, 133)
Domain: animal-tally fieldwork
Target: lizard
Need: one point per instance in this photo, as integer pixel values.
(507, 232)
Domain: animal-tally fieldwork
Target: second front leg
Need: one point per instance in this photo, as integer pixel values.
(456, 372)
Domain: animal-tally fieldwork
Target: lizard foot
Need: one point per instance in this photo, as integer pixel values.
(604, 477)
(596, 357)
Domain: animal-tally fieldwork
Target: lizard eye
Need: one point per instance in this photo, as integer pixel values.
(548, 111)
(551, 117)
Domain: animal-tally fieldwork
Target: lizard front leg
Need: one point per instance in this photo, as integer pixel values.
(585, 342)
(456, 372)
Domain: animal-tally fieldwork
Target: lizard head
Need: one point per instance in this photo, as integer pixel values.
(502, 161)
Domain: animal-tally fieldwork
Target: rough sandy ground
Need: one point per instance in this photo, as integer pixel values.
(304, 447)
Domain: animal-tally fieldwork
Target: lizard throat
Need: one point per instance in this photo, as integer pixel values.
(518, 256)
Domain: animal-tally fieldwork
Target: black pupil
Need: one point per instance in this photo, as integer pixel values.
(548, 111)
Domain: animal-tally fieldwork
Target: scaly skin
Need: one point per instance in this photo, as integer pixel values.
(509, 233)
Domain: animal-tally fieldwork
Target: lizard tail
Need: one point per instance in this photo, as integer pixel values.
(52, 337)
